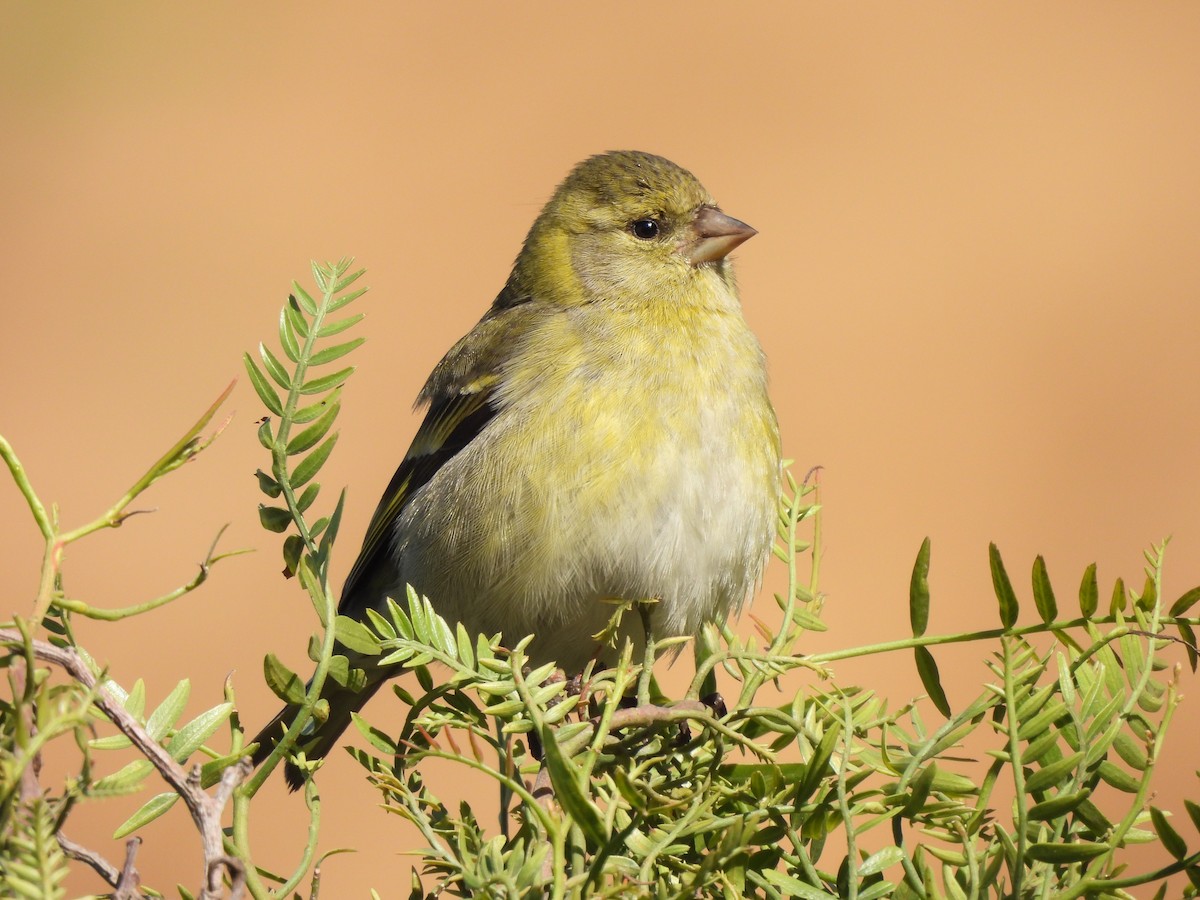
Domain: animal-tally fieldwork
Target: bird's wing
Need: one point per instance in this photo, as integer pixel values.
(461, 393)
(449, 426)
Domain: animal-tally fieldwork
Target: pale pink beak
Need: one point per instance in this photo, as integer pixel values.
(714, 235)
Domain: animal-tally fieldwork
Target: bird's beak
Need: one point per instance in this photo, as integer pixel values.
(713, 235)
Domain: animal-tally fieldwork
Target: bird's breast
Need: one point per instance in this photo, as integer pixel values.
(626, 461)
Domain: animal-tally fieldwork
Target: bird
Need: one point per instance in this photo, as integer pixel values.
(604, 432)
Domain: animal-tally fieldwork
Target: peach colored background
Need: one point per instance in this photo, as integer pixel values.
(976, 279)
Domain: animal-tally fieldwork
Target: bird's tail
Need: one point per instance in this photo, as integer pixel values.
(318, 738)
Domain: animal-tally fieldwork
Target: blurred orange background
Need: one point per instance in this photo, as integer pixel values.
(977, 281)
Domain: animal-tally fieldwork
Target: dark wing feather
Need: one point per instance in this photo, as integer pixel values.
(449, 426)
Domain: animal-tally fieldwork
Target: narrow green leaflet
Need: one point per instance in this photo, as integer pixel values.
(309, 437)
(168, 711)
(283, 682)
(931, 679)
(1089, 592)
(1007, 598)
(325, 382)
(329, 329)
(570, 790)
(1043, 593)
(266, 392)
(312, 463)
(190, 737)
(148, 812)
(877, 862)
(274, 367)
(337, 351)
(354, 635)
(1171, 839)
(1120, 598)
(918, 591)
(1184, 603)
(304, 299)
(273, 518)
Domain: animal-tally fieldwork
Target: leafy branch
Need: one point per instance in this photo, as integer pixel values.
(306, 324)
(651, 798)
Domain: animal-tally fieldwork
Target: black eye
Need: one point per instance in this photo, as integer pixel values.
(644, 229)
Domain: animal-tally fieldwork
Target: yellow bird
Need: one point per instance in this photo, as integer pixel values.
(603, 432)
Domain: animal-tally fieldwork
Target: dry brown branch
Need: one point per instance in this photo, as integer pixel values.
(101, 866)
(205, 809)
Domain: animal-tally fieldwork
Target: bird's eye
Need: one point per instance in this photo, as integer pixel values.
(644, 229)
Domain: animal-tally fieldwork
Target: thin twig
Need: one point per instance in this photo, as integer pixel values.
(205, 809)
(101, 866)
(129, 882)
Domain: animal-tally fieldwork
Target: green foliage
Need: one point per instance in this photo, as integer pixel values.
(794, 787)
(1034, 789)
(34, 864)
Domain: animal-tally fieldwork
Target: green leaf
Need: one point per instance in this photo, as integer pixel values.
(274, 367)
(1076, 851)
(190, 737)
(374, 736)
(125, 780)
(309, 437)
(1131, 751)
(347, 280)
(1089, 592)
(346, 299)
(918, 791)
(1003, 588)
(335, 522)
(570, 790)
(1043, 593)
(918, 592)
(354, 635)
(877, 862)
(1184, 603)
(307, 413)
(1058, 806)
(1188, 636)
(791, 886)
(148, 812)
(1052, 774)
(112, 742)
(312, 463)
(287, 337)
(321, 274)
(306, 499)
(135, 702)
(329, 329)
(296, 318)
(325, 382)
(264, 433)
(283, 682)
(266, 393)
(303, 299)
(267, 484)
(1117, 777)
(1170, 838)
(928, 670)
(273, 518)
(337, 351)
(1119, 598)
(1148, 598)
(168, 711)
(314, 586)
(1193, 812)
(818, 767)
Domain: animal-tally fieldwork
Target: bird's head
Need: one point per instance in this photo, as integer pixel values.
(627, 227)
